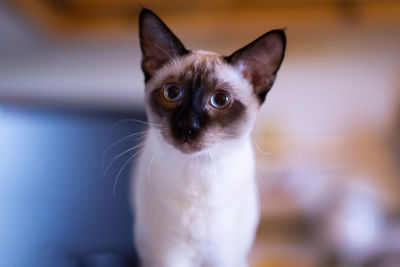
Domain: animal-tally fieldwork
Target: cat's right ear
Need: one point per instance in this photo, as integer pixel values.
(158, 43)
(260, 61)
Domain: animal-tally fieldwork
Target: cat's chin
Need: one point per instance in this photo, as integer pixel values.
(187, 148)
(190, 149)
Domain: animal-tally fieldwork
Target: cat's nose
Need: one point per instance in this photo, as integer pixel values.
(189, 128)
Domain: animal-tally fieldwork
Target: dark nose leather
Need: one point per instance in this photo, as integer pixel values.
(189, 127)
(187, 123)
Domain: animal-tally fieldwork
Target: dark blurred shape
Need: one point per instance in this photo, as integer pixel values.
(107, 260)
(57, 205)
(349, 10)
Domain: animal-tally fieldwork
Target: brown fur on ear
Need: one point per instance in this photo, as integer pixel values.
(158, 43)
(260, 61)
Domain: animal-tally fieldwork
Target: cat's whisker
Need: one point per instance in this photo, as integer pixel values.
(122, 168)
(230, 135)
(135, 120)
(258, 148)
(256, 145)
(149, 168)
(156, 46)
(257, 189)
(212, 160)
(220, 148)
(111, 162)
(104, 158)
(134, 137)
(172, 48)
(162, 50)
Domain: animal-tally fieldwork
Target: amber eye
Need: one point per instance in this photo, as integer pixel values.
(220, 100)
(172, 92)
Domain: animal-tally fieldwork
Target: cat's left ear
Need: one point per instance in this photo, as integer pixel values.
(260, 60)
(158, 43)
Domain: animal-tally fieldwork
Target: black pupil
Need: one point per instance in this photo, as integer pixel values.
(221, 99)
(172, 92)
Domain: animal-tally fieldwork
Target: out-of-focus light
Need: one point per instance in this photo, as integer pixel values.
(357, 222)
(363, 222)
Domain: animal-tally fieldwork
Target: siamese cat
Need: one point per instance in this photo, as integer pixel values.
(194, 193)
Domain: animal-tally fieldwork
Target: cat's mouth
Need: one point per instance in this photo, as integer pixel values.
(188, 144)
(188, 148)
(187, 140)
(185, 144)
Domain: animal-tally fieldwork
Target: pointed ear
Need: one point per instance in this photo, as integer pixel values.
(158, 43)
(260, 60)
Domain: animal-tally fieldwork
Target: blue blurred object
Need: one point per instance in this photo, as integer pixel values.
(105, 260)
(56, 206)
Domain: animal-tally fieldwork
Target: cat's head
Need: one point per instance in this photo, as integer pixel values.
(198, 99)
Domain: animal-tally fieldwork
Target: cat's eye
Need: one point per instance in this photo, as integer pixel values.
(172, 92)
(220, 100)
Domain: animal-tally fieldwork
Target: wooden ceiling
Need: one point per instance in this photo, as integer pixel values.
(71, 16)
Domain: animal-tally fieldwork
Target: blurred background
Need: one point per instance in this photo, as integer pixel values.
(327, 138)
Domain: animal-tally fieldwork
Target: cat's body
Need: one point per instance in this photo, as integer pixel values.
(194, 192)
(196, 212)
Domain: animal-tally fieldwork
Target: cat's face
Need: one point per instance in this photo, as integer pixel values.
(199, 99)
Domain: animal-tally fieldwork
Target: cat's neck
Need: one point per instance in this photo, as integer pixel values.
(211, 170)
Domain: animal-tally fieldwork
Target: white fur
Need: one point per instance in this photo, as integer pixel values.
(195, 210)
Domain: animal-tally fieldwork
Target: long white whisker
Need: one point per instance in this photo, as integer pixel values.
(212, 160)
(173, 50)
(122, 168)
(135, 120)
(142, 133)
(156, 46)
(258, 195)
(259, 149)
(230, 135)
(165, 52)
(219, 148)
(149, 167)
(120, 155)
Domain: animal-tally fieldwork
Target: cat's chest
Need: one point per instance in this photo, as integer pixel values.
(201, 179)
(201, 187)
(184, 192)
(196, 198)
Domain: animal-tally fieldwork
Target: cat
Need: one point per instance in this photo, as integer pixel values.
(194, 193)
